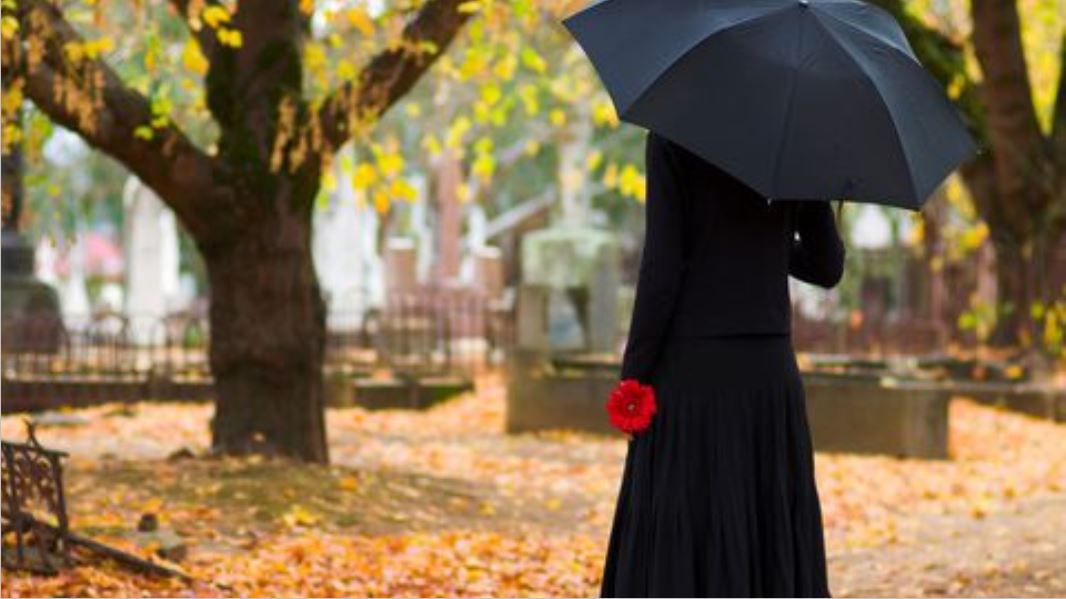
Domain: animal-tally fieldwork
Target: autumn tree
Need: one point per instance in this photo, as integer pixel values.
(247, 198)
(1018, 181)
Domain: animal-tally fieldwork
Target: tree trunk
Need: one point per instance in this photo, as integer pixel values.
(267, 338)
(1014, 293)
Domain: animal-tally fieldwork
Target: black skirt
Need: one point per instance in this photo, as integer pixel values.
(718, 496)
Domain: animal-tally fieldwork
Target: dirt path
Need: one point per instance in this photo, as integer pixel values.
(1020, 552)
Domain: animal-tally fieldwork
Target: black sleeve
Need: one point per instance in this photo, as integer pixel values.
(661, 261)
(817, 256)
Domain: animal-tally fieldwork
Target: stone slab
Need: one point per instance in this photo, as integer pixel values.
(877, 415)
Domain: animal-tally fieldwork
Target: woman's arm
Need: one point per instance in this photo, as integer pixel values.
(661, 262)
(817, 257)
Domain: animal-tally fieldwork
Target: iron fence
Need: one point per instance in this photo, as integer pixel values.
(50, 362)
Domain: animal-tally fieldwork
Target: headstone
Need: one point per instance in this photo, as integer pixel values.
(488, 271)
(401, 268)
(873, 414)
(150, 239)
(345, 253)
(73, 294)
(23, 295)
(474, 241)
(584, 264)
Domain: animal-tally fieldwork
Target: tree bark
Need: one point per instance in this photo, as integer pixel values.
(267, 339)
(1013, 292)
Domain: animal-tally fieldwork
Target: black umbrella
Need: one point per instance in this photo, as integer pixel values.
(800, 99)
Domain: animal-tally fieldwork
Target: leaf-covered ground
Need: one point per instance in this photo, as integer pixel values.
(442, 503)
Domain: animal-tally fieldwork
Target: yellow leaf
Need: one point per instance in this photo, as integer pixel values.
(143, 132)
(390, 163)
(631, 182)
(12, 98)
(431, 145)
(557, 117)
(490, 93)
(349, 483)
(462, 192)
(401, 189)
(230, 37)
(470, 7)
(345, 70)
(214, 15)
(456, 132)
(75, 51)
(360, 19)
(610, 176)
(299, 516)
(192, 58)
(314, 56)
(533, 61)
(381, 201)
(603, 114)
(974, 237)
(483, 145)
(365, 175)
(594, 160)
(307, 7)
(505, 68)
(484, 166)
(531, 102)
(10, 27)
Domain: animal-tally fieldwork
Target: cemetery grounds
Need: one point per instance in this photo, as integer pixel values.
(443, 503)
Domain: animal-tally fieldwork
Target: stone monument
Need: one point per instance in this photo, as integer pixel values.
(29, 306)
(152, 273)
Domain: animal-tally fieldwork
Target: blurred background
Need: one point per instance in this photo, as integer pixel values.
(325, 299)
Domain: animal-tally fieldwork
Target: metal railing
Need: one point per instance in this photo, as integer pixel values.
(48, 362)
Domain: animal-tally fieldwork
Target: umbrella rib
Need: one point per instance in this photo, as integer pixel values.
(681, 57)
(788, 113)
(877, 92)
(869, 35)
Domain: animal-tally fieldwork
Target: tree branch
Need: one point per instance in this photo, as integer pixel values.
(393, 72)
(88, 97)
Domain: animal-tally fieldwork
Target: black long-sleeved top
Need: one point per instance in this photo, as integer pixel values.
(717, 256)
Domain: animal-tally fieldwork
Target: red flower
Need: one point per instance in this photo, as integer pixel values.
(631, 406)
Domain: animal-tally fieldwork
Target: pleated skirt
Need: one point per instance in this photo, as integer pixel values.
(718, 497)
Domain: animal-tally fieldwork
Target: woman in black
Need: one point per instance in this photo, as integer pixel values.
(718, 496)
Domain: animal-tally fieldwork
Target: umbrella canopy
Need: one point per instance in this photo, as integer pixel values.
(799, 99)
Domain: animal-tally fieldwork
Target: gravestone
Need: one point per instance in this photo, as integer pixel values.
(401, 266)
(488, 271)
(584, 264)
(23, 297)
(878, 415)
(545, 389)
(152, 258)
(73, 293)
(345, 253)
